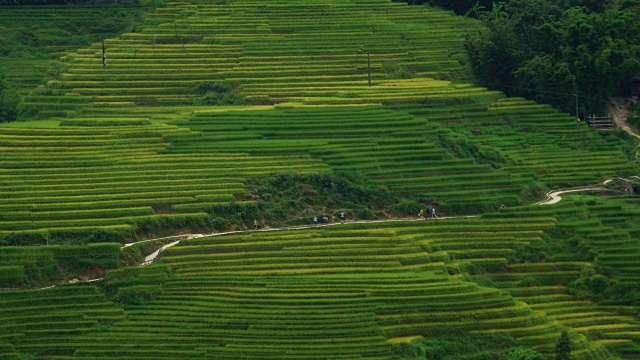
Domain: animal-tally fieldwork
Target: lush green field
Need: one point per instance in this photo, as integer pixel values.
(213, 115)
(342, 291)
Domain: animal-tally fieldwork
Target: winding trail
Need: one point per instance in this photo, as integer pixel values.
(553, 197)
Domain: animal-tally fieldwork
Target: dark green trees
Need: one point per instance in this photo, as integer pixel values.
(563, 349)
(9, 100)
(549, 50)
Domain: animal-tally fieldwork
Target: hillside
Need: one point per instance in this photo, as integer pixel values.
(211, 116)
(420, 130)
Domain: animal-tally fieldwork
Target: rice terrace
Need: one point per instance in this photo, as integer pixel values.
(316, 179)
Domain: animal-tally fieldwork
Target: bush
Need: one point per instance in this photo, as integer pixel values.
(522, 354)
(9, 100)
(563, 348)
(218, 93)
(453, 344)
(279, 196)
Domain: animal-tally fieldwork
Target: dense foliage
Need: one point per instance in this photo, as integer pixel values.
(549, 50)
(218, 93)
(322, 195)
(523, 354)
(454, 345)
(9, 100)
(563, 349)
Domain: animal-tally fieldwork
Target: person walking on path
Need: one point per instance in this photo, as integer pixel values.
(342, 217)
(315, 220)
(433, 213)
(255, 224)
(421, 214)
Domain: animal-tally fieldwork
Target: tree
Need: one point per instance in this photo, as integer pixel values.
(475, 10)
(549, 50)
(563, 349)
(9, 100)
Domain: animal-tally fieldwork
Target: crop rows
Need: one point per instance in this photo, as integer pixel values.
(615, 248)
(112, 177)
(342, 292)
(258, 44)
(394, 149)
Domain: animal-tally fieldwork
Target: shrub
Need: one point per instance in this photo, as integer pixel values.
(9, 100)
(563, 349)
(218, 93)
(522, 354)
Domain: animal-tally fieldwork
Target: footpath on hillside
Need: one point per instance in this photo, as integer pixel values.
(619, 113)
(552, 197)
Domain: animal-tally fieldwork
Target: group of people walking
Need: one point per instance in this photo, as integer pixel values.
(325, 219)
(430, 214)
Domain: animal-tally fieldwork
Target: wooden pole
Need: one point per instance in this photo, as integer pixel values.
(369, 67)
(104, 54)
(577, 113)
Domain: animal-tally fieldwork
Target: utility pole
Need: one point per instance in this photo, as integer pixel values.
(104, 55)
(577, 113)
(369, 66)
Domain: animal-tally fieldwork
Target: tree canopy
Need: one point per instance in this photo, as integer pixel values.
(9, 100)
(549, 50)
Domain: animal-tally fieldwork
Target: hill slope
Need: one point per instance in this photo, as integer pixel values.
(419, 130)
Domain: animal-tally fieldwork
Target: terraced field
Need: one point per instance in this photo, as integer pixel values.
(342, 292)
(58, 186)
(116, 154)
(468, 158)
(610, 228)
(363, 289)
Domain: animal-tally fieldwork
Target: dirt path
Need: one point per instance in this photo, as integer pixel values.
(619, 112)
(552, 198)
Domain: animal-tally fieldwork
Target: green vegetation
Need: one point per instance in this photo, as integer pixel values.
(281, 197)
(522, 354)
(36, 266)
(9, 100)
(568, 48)
(218, 93)
(36, 33)
(456, 345)
(563, 349)
(212, 115)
